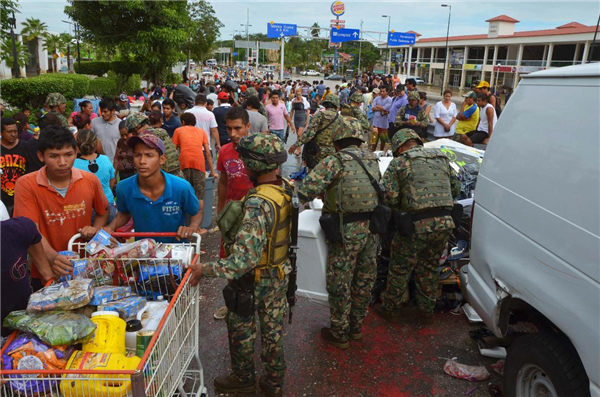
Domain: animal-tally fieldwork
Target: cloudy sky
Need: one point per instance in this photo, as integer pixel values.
(425, 17)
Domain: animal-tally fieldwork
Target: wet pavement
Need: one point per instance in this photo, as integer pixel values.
(391, 360)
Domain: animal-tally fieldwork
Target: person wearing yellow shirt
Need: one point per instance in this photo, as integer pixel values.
(468, 117)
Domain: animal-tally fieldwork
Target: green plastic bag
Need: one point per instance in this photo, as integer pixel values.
(56, 328)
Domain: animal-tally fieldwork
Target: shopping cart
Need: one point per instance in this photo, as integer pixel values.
(170, 366)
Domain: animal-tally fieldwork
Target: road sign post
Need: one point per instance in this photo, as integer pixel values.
(344, 35)
(399, 38)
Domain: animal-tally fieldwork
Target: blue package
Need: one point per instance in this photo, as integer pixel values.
(127, 308)
(107, 293)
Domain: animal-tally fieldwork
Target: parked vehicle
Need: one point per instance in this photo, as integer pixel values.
(310, 72)
(207, 72)
(535, 239)
(334, 77)
(211, 62)
(417, 79)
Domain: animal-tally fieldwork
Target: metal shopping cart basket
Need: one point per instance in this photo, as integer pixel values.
(170, 366)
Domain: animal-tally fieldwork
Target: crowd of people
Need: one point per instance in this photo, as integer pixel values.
(117, 168)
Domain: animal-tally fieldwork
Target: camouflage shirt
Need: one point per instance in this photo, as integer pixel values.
(249, 244)
(422, 119)
(353, 111)
(316, 123)
(172, 164)
(396, 174)
(62, 118)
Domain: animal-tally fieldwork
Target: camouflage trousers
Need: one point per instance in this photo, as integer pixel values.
(419, 253)
(351, 273)
(271, 307)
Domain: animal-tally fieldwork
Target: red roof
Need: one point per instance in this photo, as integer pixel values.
(415, 33)
(529, 33)
(502, 18)
(571, 25)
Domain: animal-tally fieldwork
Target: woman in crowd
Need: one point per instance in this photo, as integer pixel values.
(300, 114)
(445, 116)
(98, 164)
(425, 105)
(123, 162)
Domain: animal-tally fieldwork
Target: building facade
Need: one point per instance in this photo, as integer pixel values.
(500, 57)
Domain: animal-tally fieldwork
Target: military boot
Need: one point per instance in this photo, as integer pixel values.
(328, 337)
(267, 389)
(232, 384)
(389, 316)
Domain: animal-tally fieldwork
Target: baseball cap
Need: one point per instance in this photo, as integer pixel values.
(148, 139)
(483, 84)
(223, 96)
(376, 90)
(470, 94)
(122, 97)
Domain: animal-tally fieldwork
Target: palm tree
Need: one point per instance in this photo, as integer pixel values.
(6, 52)
(65, 42)
(52, 45)
(33, 29)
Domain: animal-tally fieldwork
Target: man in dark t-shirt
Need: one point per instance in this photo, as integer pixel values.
(13, 161)
(19, 235)
(220, 113)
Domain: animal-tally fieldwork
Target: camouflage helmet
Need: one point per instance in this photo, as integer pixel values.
(347, 127)
(357, 97)
(413, 95)
(135, 120)
(261, 152)
(402, 136)
(332, 99)
(55, 99)
(250, 92)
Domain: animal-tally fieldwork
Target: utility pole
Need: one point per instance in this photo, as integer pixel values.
(13, 24)
(387, 42)
(360, 45)
(78, 53)
(446, 54)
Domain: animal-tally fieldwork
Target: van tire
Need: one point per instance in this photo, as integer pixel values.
(555, 356)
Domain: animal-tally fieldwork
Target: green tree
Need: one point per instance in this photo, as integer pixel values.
(53, 44)
(152, 33)
(32, 30)
(315, 30)
(6, 52)
(7, 8)
(204, 28)
(66, 41)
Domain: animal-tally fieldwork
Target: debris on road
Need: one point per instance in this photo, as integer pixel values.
(466, 372)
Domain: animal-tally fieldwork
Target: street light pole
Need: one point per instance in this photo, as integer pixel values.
(13, 24)
(387, 42)
(446, 53)
(360, 45)
(248, 49)
(78, 53)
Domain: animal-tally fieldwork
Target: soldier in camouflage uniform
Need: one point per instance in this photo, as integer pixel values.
(419, 182)
(260, 251)
(353, 110)
(413, 116)
(320, 127)
(138, 122)
(58, 104)
(351, 262)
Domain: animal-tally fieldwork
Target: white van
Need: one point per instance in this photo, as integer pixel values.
(211, 62)
(535, 239)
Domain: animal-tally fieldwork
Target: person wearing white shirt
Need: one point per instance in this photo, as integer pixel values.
(205, 120)
(445, 116)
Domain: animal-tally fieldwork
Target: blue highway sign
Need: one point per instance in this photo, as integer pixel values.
(343, 35)
(398, 38)
(279, 30)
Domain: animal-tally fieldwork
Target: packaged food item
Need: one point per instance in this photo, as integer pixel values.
(466, 372)
(102, 240)
(55, 328)
(143, 340)
(26, 352)
(109, 336)
(106, 293)
(158, 278)
(144, 248)
(181, 253)
(131, 330)
(65, 295)
(127, 308)
(87, 385)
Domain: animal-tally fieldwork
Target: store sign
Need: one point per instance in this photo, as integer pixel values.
(338, 8)
(338, 25)
(503, 69)
(472, 67)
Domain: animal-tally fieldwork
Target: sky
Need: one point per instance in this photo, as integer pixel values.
(425, 17)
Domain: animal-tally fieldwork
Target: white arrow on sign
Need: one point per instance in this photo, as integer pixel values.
(354, 34)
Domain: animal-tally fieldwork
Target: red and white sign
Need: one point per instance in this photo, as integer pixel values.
(338, 25)
(338, 21)
(338, 8)
(335, 45)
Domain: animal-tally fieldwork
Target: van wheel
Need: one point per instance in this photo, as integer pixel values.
(544, 365)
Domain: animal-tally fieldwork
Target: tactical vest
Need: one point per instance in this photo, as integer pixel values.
(353, 192)
(426, 184)
(347, 111)
(278, 238)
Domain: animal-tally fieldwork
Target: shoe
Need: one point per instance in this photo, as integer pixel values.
(389, 316)
(327, 336)
(231, 384)
(355, 335)
(220, 313)
(266, 389)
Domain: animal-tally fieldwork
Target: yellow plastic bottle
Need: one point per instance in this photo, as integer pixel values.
(109, 336)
